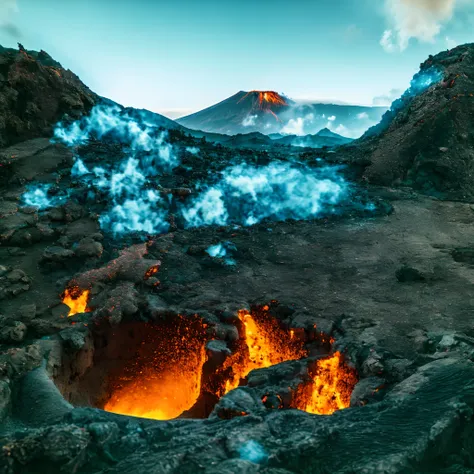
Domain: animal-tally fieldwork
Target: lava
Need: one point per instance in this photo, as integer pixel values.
(76, 298)
(265, 344)
(331, 387)
(162, 378)
(265, 100)
(151, 271)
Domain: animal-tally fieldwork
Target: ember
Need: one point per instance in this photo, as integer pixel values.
(331, 389)
(76, 298)
(151, 271)
(162, 377)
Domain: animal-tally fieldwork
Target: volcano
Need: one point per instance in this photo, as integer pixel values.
(243, 112)
(269, 112)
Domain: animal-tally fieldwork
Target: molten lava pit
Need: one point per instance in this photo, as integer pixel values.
(176, 367)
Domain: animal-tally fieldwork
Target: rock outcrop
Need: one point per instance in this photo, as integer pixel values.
(427, 140)
(35, 93)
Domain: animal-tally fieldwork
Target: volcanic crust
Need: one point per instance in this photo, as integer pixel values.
(340, 343)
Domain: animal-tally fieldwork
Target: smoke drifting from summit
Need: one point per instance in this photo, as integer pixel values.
(419, 19)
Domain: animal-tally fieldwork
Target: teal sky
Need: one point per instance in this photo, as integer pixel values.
(182, 55)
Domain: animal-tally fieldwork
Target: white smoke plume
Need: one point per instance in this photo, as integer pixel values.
(297, 125)
(39, 196)
(135, 207)
(419, 19)
(247, 194)
(249, 121)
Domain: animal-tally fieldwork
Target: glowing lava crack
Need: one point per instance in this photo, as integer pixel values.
(77, 299)
(169, 368)
(331, 387)
(265, 100)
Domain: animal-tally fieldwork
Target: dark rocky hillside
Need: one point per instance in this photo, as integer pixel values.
(35, 93)
(427, 140)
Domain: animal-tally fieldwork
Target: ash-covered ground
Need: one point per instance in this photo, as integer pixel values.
(167, 248)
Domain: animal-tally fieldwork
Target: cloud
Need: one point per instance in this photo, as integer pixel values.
(386, 100)
(363, 116)
(332, 118)
(7, 9)
(296, 126)
(249, 121)
(175, 113)
(419, 19)
(451, 43)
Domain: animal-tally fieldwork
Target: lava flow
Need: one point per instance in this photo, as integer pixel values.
(266, 344)
(162, 376)
(264, 100)
(76, 298)
(331, 387)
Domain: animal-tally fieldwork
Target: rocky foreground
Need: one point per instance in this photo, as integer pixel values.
(390, 288)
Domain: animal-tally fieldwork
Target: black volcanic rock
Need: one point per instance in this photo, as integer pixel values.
(428, 140)
(35, 93)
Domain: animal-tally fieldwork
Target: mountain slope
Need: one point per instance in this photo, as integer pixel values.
(247, 112)
(243, 112)
(324, 138)
(35, 93)
(427, 139)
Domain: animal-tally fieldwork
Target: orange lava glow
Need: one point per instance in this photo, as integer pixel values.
(331, 389)
(266, 344)
(76, 298)
(151, 271)
(264, 100)
(163, 376)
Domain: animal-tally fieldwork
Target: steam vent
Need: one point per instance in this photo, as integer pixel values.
(245, 289)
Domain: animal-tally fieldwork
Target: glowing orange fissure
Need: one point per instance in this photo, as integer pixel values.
(165, 376)
(266, 344)
(331, 388)
(76, 298)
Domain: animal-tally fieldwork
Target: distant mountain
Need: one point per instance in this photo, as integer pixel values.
(271, 113)
(244, 112)
(324, 138)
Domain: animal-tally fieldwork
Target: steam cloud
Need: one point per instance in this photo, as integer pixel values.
(420, 19)
(249, 121)
(7, 9)
(246, 195)
(40, 197)
(135, 207)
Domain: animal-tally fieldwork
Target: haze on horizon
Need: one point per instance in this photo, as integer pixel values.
(179, 57)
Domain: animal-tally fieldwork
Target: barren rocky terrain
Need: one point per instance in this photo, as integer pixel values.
(337, 341)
